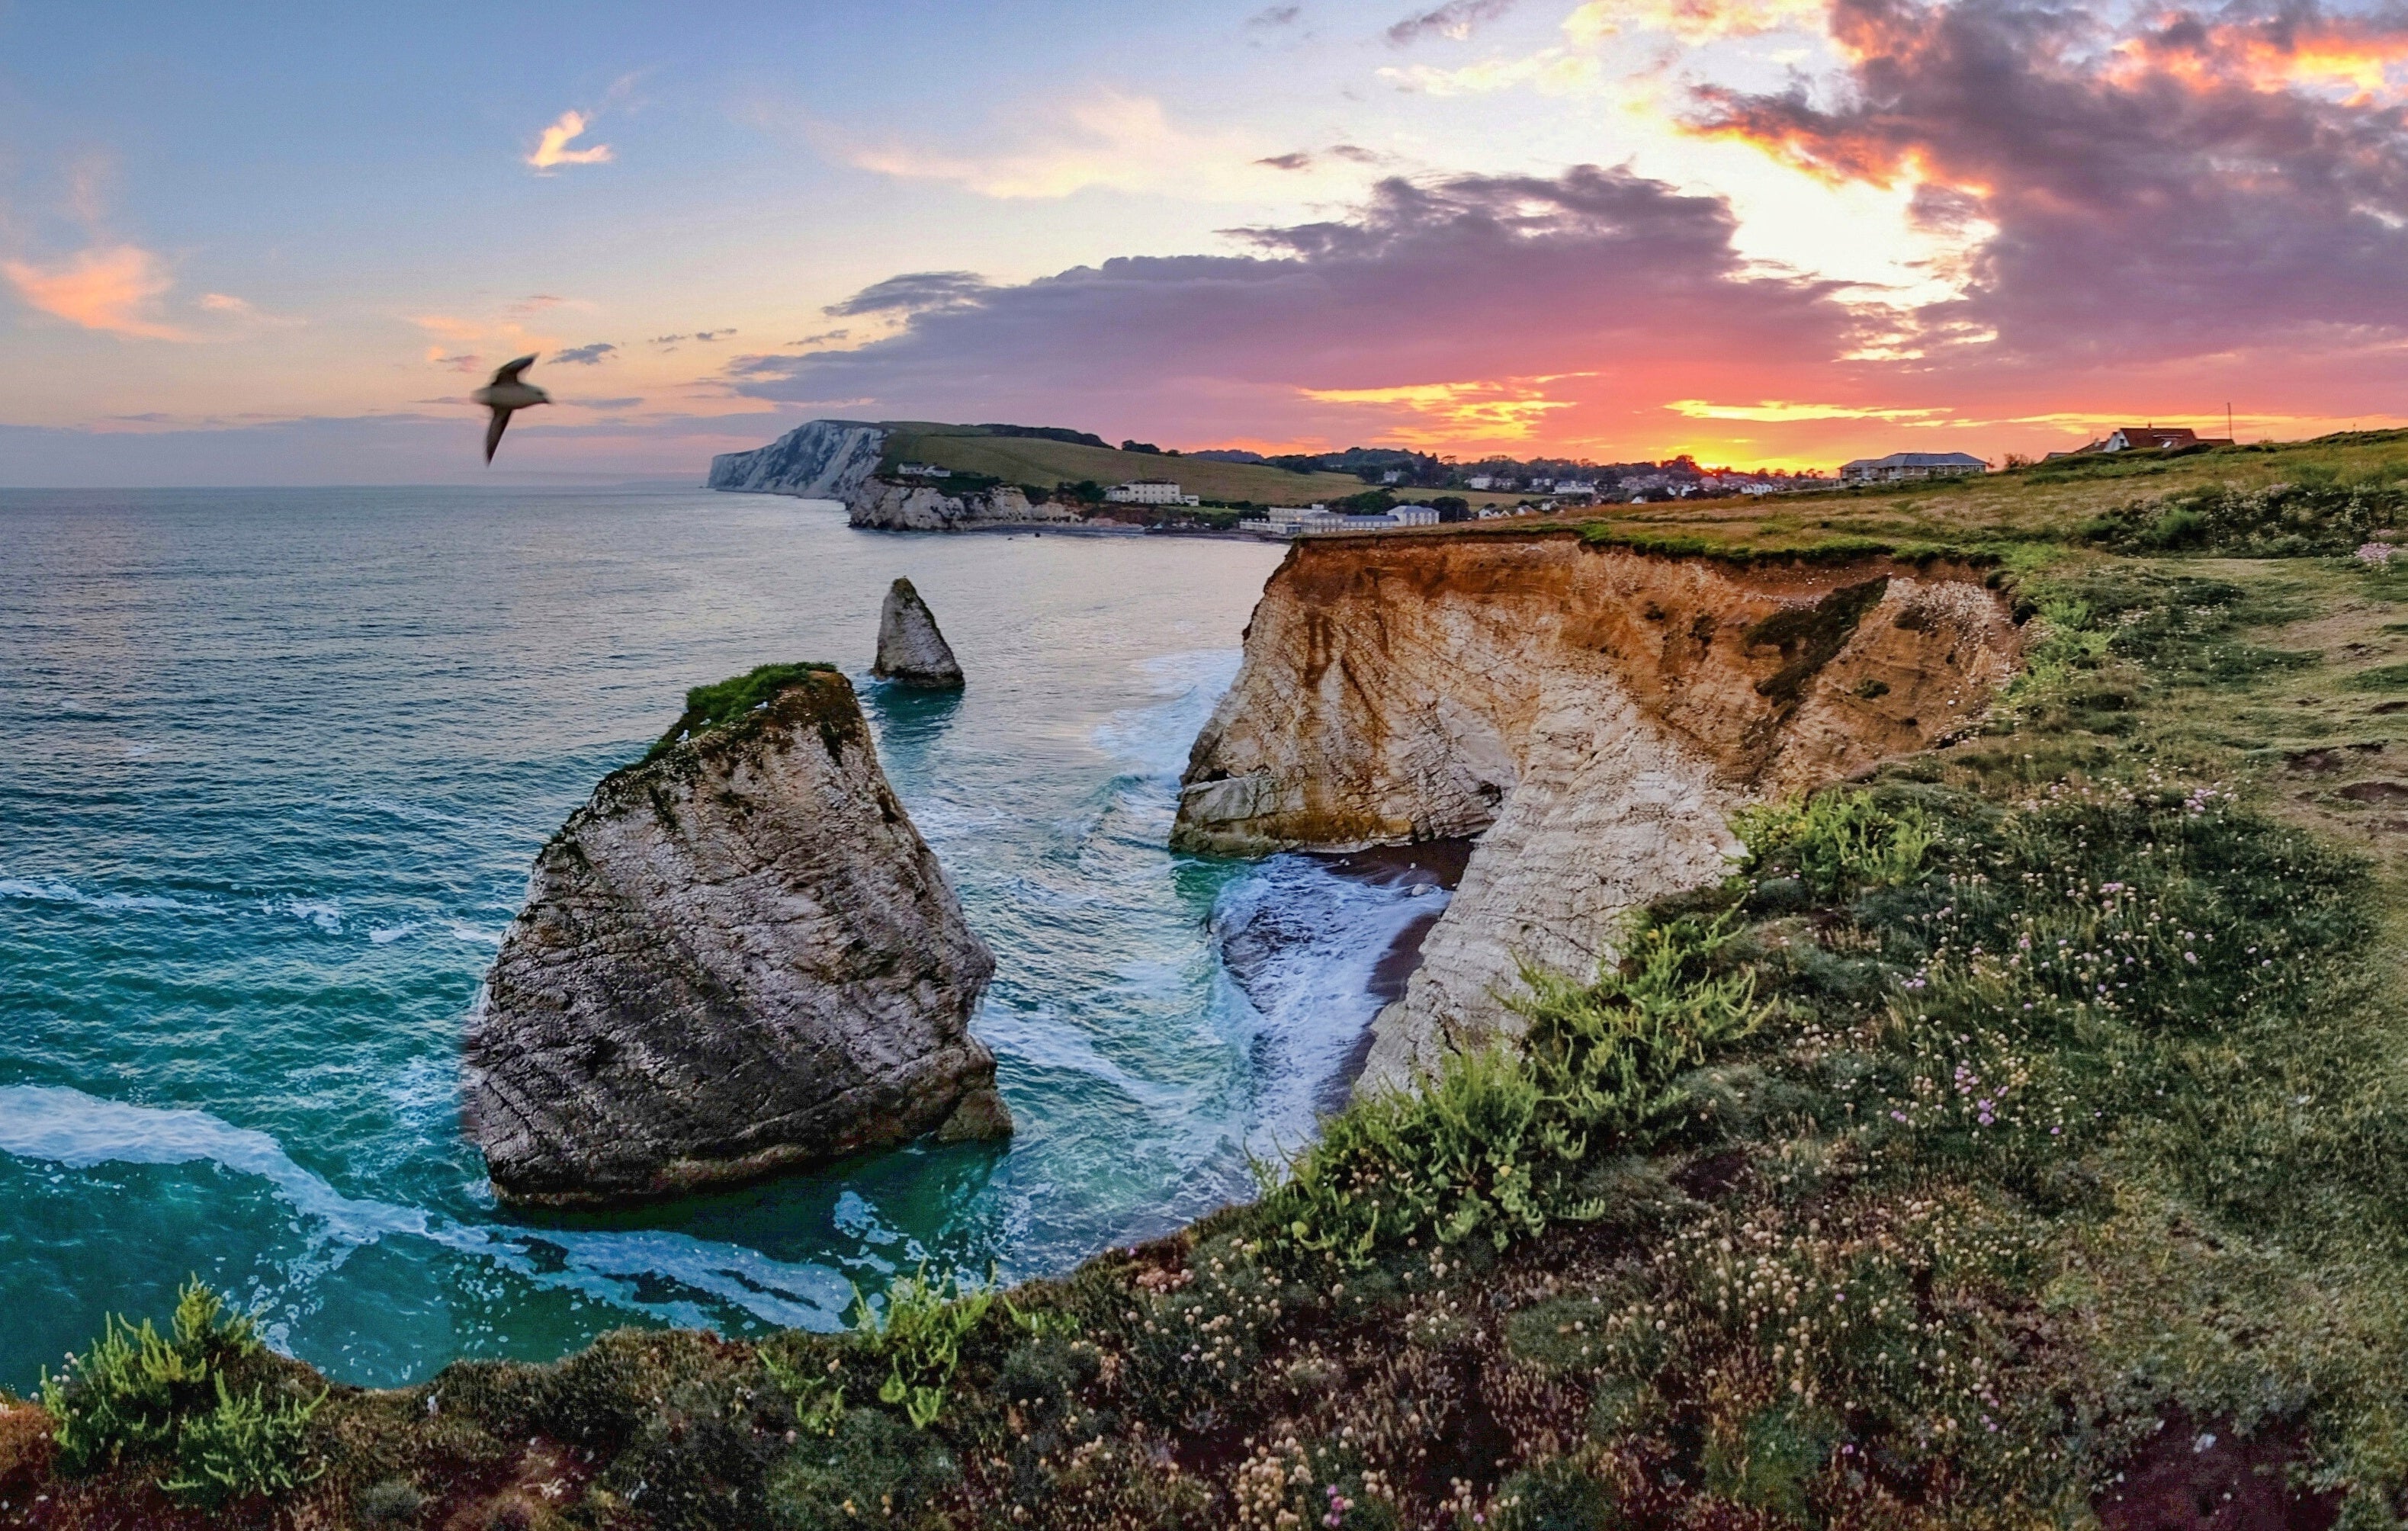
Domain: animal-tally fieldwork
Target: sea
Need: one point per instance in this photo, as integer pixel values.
(277, 764)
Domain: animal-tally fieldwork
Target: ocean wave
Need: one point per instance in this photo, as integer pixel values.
(1301, 943)
(325, 913)
(387, 935)
(58, 891)
(1157, 735)
(62, 1126)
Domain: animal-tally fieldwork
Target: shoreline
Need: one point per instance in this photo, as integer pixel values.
(1438, 864)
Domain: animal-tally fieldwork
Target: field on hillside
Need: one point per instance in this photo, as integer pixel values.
(2040, 502)
(1027, 460)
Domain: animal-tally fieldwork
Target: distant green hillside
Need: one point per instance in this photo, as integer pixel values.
(1026, 460)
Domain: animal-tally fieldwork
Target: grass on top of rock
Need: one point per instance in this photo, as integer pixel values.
(712, 705)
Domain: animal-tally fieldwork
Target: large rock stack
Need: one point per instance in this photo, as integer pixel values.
(739, 957)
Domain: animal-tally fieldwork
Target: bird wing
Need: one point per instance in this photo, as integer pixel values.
(509, 371)
(493, 429)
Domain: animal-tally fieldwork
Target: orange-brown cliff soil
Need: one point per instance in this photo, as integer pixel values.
(1592, 713)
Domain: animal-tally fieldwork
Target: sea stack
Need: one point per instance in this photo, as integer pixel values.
(910, 651)
(739, 957)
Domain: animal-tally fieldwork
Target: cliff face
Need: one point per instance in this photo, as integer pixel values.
(822, 459)
(1592, 714)
(884, 505)
(739, 956)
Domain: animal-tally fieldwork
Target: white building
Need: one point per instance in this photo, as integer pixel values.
(1315, 520)
(1911, 464)
(1575, 486)
(1485, 481)
(1150, 492)
(922, 470)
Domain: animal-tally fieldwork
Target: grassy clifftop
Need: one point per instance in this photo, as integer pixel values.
(1026, 460)
(2055, 502)
(2019, 1137)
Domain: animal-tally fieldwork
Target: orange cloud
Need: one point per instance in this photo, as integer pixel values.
(114, 289)
(553, 150)
(1434, 414)
(2365, 60)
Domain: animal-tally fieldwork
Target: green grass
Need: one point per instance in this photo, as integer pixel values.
(718, 704)
(1026, 460)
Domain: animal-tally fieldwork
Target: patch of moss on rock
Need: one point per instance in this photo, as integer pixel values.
(714, 706)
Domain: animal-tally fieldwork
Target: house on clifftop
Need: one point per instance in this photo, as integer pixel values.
(1900, 465)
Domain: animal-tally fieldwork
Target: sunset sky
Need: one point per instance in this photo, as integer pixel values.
(275, 243)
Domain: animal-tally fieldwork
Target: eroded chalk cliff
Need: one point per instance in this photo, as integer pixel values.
(739, 957)
(819, 459)
(1593, 714)
(888, 505)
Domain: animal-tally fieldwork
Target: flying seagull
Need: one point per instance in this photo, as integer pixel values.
(504, 394)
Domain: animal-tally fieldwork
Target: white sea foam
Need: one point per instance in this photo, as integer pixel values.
(57, 1124)
(325, 913)
(387, 935)
(69, 1127)
(1300, 943)
(58, 891)
(470, 932)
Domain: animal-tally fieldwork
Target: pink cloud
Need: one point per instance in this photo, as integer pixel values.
(115, 290)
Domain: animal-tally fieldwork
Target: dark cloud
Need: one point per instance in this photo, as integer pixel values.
(2173, 191)
(460, 363)
(713, 336)
(822, 338)
(585, 356)
(914, 291)
(605, 404)
(1457, 19)
(1596, 272)
(1357, 152)
(1294, 160)
(1274, 16)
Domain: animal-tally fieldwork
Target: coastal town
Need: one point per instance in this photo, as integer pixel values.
(920, 477)
(1411, 493)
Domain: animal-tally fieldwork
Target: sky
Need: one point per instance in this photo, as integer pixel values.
(280, 243)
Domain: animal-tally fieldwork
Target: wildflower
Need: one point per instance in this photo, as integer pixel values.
(2375, 554)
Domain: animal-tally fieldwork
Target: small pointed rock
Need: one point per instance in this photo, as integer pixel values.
(910, 647)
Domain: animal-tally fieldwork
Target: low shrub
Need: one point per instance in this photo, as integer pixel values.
(1837, 843)
(916, 1340)
(867, 1467)
(2319, 516)
(135, 1396)
(1496, 1145)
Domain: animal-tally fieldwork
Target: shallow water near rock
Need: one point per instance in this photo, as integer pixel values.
(280, 760)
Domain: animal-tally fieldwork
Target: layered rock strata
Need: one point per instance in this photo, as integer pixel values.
(1593, 714)
(739, 957)
(888, 505)
(911, 649)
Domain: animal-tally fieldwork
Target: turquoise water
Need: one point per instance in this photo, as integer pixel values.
(277, 763)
